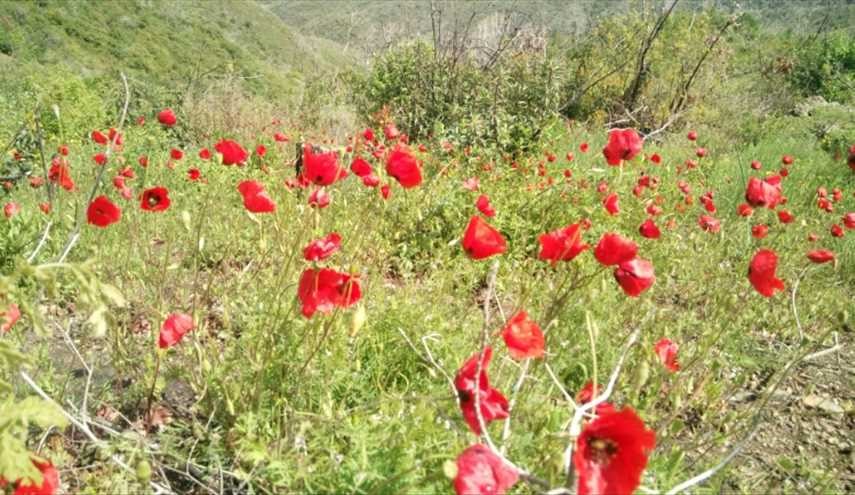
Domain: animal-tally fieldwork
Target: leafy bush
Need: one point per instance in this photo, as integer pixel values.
(826, 67)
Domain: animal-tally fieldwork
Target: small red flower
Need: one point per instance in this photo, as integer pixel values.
(100, 158)
(667, 352)
(471, 184)
(391, 132)
(480, 240)
(319, 198)
(820, 255)
(99, 137)
(611, 453)
(759, 231)
(11, 209)
(744, 210)
(709, 224)
(635, 276)
(45, 207)
(176, 154)
(481, 472)
(261, 150)
(624, 144)
(836, 231)
(49, 485)
(484, 206)
(321, 249)
(761, 273)
(368, 134)
(756, 165)
(205, 154)
(701, 152)
(787, 160)
(371, 180)
(493, 404)
(255, 198)
(766, 192)
(143, 161)
(63, 150)
(60, 174)
(385, 191)
(655, 158)
(9, 317)
(614, 249)
(326, 289)
(232, 152)
(155, 199)
(404, 167)
(523, 337)
(583, 147)
(173, 329)
(280, 137)
(692, 136)
(102, 212)
(785, 216)
(849, 220)
(194, 174)
(610, 203)
(167, 117)
(360, 167)
(322, 168)
(563, 244)
(649, 230)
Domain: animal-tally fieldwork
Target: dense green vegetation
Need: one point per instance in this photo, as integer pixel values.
(258, 398)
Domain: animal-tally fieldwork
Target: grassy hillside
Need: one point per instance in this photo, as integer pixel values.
(165, 46)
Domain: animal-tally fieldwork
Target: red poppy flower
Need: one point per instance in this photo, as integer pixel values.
(119, 182)
(785, 216)
(709, 224)
(849, 220)
(371, 180)
(102, 212)
(667, 352)
(692, 136)
(759, 231)
(360, 167)
(480, 240)
(583, 147)
(761, 273)
(63, 150)
(128, 173)
(610, 203)
(766, 192)
(155, 199)
(484, 206)
(143, 161)
(368, 134)
(45, 207)
(176, 154)
(194, 174)
(321, 249)
(49, 485)
(614, 249)
(563, 244)
(280, 137)
(391, 132)
(100, 158)
(701, 152)
(232, 152)
(624, 144)
(635, 276)
(325, 289)
(261, 150)
(481, 472)
(167, 117)
(787, 160)
(322, 168)
(493, 404)
(837, 231)
(255, 198)
(611, 453)
(115, 137)
(404, 167)
(11, 209)
(744, 210)
(655, 158)
(820, 255)
(653, 210)
(205, 154)
(99, 137)
(319, 198)
(523, 337)
(9, 317)
(756, 165)
(60, 174)
(649, 230)
(385, 191)
(173, 329)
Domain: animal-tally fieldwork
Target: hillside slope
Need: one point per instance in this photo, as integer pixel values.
(166, 44)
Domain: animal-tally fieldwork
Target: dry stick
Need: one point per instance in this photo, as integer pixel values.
(795, 310)
(506, 431)
(158, 489)
(75, 235)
